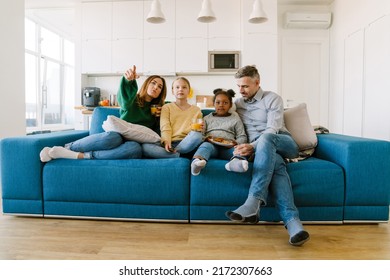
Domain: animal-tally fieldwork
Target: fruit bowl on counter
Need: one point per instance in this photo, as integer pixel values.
(104, 102)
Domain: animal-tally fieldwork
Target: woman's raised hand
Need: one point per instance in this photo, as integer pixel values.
(131, 74)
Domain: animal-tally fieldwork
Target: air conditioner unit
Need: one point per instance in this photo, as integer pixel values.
(308, 20)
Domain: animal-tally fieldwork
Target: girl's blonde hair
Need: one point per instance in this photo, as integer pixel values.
(143, 92)
(183, 79)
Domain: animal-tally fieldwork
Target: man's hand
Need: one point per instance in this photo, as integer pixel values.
(245, 150)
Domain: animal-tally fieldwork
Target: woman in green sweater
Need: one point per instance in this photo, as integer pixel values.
(134, 107)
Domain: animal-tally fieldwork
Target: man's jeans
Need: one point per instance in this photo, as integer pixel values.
(270, 173)
(106, 145)
(187, 145)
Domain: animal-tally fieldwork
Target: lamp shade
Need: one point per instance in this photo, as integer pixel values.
(206, 14)
(155, 15)
(258, 15)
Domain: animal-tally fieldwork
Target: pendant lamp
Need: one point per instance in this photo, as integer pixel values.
(206, 14)
(155, 15)
(258, 15)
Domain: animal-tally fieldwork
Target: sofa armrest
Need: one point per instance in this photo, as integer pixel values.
(366, 164)
(21, 168)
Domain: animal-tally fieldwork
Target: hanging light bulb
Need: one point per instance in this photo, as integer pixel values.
(155, 15)
(258, 15)
(206, 14)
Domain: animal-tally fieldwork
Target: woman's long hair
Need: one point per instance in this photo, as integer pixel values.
(143, 92)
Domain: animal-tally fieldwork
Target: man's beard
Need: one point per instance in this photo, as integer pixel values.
(248, 98)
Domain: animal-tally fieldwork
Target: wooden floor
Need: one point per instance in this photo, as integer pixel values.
(62, 239)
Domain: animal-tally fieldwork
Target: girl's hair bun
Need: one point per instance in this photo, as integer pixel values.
(215, 91)
(231, 92)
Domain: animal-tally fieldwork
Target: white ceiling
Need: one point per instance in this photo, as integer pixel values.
(70, 3)
(305, 2)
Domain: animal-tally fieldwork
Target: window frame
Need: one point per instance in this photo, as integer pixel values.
(66, 122)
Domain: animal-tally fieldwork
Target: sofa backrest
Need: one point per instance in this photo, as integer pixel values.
(100, 114)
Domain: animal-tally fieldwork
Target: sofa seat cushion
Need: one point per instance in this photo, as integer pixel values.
(160, 188)
(317, 184)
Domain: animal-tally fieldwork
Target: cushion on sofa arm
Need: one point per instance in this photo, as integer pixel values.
(298, 123)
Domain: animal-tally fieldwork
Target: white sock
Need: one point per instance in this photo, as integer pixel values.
(44, 155)
(197, 165)
(61, 152)
(237, 165)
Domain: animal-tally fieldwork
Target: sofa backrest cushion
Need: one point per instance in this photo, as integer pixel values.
(296, 119)
(205, 112)
(298, 123)
(99, 115)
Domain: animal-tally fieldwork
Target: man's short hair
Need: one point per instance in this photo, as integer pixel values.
(248, 71)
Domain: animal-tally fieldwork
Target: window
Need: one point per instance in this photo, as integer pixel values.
(50, 79)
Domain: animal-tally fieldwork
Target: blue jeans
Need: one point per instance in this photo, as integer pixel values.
(106, 145)
(207, 150)
(270, 174)
(187, 145)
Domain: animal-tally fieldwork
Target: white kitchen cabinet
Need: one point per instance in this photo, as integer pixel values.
(161, 30)
(224, 43)
(112, 38)
(191, 38)
(96, 37)
(125, 53)
(187, 25)
(128, 20)
(96, 56)
(96, 20)
(225, 32)
(191, 55)
(115, 35)
(127, 36)
(159, 41)
(159, 56)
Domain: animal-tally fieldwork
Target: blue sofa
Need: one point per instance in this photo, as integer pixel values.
(346, 180)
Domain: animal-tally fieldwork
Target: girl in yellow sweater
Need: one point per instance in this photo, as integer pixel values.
(175, 124)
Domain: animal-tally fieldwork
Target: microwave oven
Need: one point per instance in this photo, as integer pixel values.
(220, 61)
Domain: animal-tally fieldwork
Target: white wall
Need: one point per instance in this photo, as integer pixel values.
(360, 65)
(12, 103)
(304, 65)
